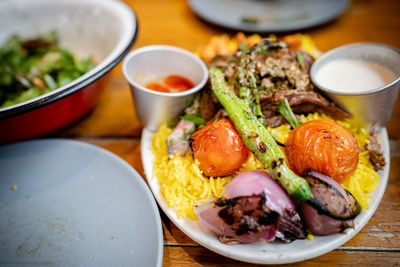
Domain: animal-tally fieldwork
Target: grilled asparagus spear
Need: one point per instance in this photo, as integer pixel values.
(257, 138)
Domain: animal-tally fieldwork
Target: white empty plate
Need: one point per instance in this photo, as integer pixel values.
(264, 253)
(69, 203)
(268, 15)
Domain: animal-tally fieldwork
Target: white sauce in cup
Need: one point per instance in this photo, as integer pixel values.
(353, 75)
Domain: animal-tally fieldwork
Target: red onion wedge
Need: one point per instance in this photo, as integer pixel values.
(331, 194)
(256, 209)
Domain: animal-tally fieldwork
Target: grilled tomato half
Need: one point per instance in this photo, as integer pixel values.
(324, 146)
(218, 148)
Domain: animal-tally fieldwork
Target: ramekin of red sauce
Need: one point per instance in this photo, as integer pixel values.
(170, 84)
(162, 78)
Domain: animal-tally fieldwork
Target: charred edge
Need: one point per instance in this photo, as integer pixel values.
(342, 228)
(262, 147)
(292, 226)
(246, 111)
(279, 143)
(225, 202)
(250, 221)
(322, 210)
(253, 134)
(268, 218)
(230, 202)
(262, 201)
(307, 173)
(250, 225)
(276, 163)
(290, 236)
(226, 216)
(243, 228)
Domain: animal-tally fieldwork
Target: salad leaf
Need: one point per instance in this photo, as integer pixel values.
(195, 119)
(30, 68)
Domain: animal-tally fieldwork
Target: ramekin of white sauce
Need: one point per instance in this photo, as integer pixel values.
(363, 78)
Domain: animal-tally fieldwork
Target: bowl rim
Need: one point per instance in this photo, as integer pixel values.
(88, 78)
(326, 55)
(170, 48)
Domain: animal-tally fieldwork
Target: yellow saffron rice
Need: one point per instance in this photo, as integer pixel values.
(182, 183)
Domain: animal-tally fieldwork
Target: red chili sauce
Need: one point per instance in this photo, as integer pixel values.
(171, 84)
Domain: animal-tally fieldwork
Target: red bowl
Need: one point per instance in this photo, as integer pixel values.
(52, 116)
(88, 32)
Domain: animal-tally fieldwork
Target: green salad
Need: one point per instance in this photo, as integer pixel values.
(30, 68)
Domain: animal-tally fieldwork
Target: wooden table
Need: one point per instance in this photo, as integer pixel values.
(113, 125)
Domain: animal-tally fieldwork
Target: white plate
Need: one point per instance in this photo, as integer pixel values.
(273, 16)
(69, 203)
(272, 253)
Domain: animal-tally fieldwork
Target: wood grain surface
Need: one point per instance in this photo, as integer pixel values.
(112, 124)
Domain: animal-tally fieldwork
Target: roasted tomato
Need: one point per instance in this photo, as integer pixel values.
(219, 149)
(324, 146)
